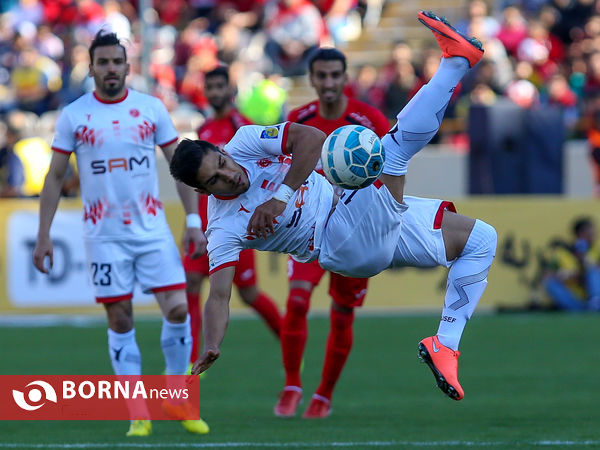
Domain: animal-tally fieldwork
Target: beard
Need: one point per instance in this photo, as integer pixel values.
(112, 89)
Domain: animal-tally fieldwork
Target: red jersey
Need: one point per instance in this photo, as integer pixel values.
(356, 113)
(218, 132)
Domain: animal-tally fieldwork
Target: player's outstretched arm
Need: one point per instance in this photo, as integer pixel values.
(49, 199)
(215, 317)
(304, 144)
(189, 198)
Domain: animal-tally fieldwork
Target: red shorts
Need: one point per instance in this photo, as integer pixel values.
(345, 291)
(245, 271)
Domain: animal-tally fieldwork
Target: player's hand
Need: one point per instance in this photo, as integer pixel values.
(194, 238)
(205, 361)
(261, 222)
(43, 248)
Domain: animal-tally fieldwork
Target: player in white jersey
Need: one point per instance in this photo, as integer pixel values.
(261, 199)
(113, 131)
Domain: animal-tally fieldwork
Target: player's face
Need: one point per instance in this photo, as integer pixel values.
(220, 174)
(218, 92)
(328, 78)
(109, 69)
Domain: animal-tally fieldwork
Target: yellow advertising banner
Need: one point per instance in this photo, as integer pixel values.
(525, 225)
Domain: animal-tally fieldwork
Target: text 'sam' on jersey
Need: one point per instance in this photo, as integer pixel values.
(298, 230)
(114, 143)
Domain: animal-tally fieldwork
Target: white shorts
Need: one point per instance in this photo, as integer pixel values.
(115, 266)
(421, 243)
(361, 235)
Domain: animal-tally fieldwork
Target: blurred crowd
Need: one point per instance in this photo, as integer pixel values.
(539, 53)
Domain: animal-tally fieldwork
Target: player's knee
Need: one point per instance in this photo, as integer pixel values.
(483, 240)
(298, 302)
(341, 319)
(119, 321)
(491, 235)
(177, 314)
(248, 294)
(193, 281)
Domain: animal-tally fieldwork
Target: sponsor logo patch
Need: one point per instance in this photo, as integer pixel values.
(270, 133)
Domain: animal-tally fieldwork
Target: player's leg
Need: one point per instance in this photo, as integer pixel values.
(347, 294)
(124, 352)
(245, 281)
(176, 333)
(159, 270)
(195, 272)
(471, 246)
(420, 119)
(111, 271)
(294, 331)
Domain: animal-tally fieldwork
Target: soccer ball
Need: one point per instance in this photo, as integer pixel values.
(352, 157)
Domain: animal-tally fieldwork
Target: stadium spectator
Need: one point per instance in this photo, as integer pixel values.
(342, 19)
(218, 130)
(333, 109)
(573, 278)
(512, 30)
(12, 175)
(31, 83)
(357, 235)
(127, 237)
(477, 10)
(293, 28)
(593, 139)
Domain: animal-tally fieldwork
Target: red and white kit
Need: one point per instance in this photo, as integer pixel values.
(345, 291)
(218, 132)
(261, 152)
(116, 158)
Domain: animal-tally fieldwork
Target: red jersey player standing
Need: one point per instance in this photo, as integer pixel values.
(333, 109)
(219, 130)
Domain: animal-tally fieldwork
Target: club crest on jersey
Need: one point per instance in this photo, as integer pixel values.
(270, 133)
(134, 112)
(265, 162)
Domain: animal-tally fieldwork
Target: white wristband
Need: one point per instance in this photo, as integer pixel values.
(193, 221)
(284, 193)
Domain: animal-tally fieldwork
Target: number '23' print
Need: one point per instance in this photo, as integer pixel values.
(101, 274)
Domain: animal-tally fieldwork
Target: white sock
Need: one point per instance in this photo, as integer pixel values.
(421, 118)
(176, 343)
(124, 353)
(467, 280)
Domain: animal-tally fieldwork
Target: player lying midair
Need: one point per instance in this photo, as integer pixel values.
(266, 196)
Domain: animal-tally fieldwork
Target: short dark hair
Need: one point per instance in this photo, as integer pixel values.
(326, 54)
(221, 71)
(187, 159)
(581, 224)
(105, 39)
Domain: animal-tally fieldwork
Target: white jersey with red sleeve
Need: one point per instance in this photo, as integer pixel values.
(115, 147)
(298, 231)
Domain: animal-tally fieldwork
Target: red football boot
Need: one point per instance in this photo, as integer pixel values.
(288, 402)
(318, 408)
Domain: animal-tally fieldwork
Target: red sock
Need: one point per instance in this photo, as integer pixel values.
(293, 335)
(268, 310)
(339, 344)
(195, 310)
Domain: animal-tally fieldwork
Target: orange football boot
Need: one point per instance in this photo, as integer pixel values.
(443, 362)
(450, 40)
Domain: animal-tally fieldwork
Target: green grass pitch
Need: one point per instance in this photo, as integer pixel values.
(530, 381)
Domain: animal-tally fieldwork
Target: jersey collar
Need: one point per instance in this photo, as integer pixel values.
(110, 102)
